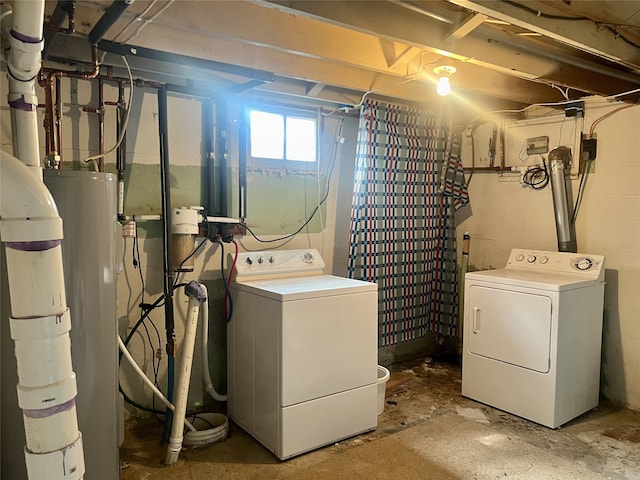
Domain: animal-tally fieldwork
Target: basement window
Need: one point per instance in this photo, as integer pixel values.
(281, 137)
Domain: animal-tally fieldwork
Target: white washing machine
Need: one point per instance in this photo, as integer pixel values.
(532, 335)
(302, 352)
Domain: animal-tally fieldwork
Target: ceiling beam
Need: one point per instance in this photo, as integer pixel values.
(465, 27)
(180, 35)
(485, 46)
(315, 89)
(585, 35)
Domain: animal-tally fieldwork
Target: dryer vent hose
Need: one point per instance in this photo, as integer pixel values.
(560, 166)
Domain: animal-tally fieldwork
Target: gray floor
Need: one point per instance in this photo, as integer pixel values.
(428, 431)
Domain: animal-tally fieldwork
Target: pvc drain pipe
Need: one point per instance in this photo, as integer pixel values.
(196, 296)
(148, 382)
(40, 324)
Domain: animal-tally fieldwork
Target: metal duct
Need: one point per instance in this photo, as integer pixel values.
(560, 166)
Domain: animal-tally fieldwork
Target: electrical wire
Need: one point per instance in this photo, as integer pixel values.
(228, 305)
(315, 210)
(549, 104)
(138, 18)
(536, 178)
(612, 27)
(583, 178)
(608, 114)
(193, 252)
(147, 21)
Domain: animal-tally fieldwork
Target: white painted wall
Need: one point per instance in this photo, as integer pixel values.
(504, 215)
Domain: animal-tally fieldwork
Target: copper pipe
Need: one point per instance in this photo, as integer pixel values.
(59, 121)
(48, 83)
(48, 122)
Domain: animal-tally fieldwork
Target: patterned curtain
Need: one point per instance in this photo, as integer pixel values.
(408, 183)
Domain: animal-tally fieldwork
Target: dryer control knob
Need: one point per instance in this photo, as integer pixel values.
(519, 257)
(307, 257)
(260, 260)
(249, 261)
(531, 258)
(544, 260)
(271, 259)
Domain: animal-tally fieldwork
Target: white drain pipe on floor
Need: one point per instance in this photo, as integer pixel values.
(40, 324)
(196, 295)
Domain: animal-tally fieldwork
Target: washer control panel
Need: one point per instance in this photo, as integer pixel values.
(276, 263)
(559, 262)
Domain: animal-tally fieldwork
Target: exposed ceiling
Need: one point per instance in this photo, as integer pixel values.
(507, 53)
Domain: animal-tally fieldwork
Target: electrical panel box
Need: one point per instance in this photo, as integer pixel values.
(527, 142)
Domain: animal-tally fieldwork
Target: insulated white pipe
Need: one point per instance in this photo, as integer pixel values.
(40, 324)
(206, 375)
(149, 383)
(196, 296)
(23, 64)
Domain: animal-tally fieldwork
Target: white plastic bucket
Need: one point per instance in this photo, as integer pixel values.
(383, 378)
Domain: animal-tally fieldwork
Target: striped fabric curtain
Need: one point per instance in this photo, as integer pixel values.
(408, 183)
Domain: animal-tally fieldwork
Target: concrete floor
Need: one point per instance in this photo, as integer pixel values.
(428, 431)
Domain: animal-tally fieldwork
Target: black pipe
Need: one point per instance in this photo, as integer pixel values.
(242, 164)
(208, 154)
(222, 155)
(175, 58)
(121, 152)
(163, 133)
(111, 16)
(64, 9)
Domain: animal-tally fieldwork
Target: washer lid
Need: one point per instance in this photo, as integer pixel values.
(542, 280)
(305, 287)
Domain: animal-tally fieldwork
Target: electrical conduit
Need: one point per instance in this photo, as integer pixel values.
(196, 295)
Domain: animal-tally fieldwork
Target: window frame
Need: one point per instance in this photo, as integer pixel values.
(285, 112)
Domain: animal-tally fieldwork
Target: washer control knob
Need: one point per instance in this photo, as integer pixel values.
(531, 258)
(307, 257)
(584, 264)
(544, 260)
(249, 261)
(271, 259)
(260, 260)
(519, 257)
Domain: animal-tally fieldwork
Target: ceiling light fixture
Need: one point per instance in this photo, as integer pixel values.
(444, 72)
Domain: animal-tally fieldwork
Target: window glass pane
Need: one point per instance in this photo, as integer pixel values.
(267, 135)
(301, 139)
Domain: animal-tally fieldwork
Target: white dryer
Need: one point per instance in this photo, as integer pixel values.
(302, 352)
(532, 335)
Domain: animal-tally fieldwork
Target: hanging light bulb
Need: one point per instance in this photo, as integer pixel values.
(444, 85)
